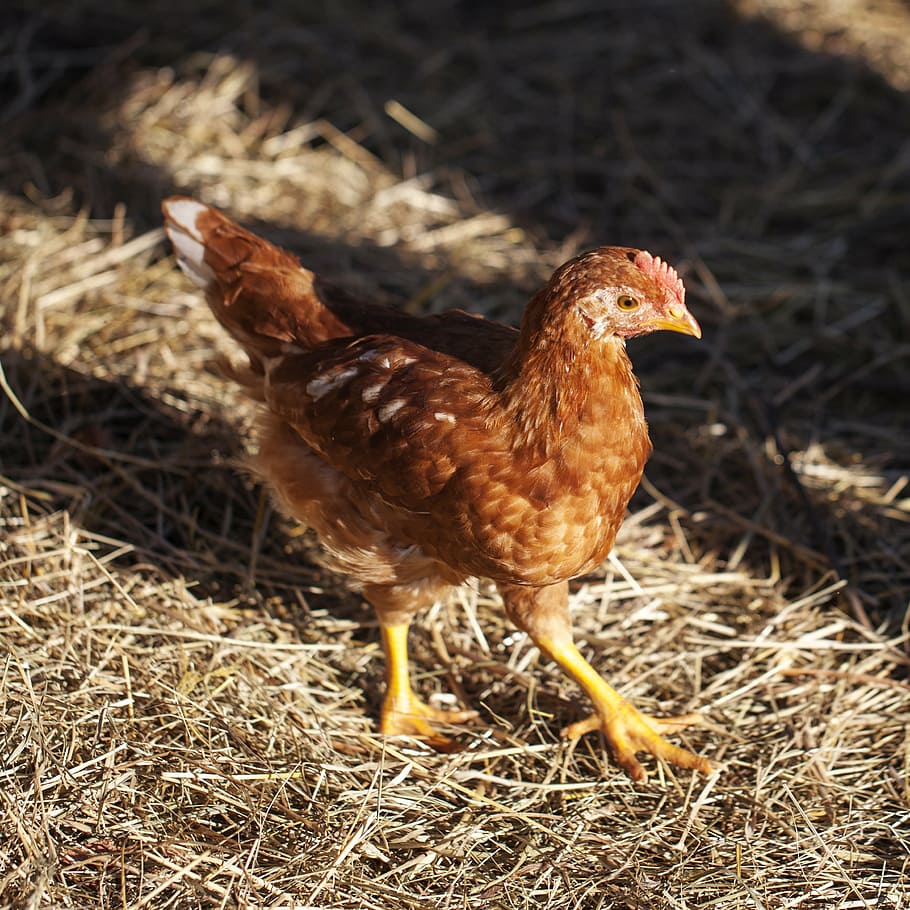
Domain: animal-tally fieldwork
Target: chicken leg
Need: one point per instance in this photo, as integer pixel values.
(403, 713)
(544, 614)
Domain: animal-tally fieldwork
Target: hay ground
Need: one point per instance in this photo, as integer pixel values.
(188, 702)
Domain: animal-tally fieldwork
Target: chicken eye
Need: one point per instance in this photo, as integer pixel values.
(625, 302)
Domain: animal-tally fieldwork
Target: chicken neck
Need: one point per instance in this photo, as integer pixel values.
(561, 382)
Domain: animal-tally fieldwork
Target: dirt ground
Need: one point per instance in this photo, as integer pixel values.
(189, 701)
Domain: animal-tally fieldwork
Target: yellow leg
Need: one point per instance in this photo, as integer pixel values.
(544, 614)
(403, 713)
(625, 729)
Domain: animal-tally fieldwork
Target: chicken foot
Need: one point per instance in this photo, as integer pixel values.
(543, 613)
(403, 713)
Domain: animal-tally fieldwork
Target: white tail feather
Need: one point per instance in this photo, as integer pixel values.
(188, 243)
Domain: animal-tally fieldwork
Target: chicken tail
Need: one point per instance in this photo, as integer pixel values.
(188, 237)
(257, 291)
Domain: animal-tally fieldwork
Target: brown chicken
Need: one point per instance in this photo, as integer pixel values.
(427, 450)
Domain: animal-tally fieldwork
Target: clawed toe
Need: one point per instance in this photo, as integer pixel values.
(628, 731)
(416, 718)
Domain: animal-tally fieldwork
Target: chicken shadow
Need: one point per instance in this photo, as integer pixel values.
(160, 481)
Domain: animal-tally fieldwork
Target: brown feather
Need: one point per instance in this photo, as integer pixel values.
(511, 455)
(427, 450)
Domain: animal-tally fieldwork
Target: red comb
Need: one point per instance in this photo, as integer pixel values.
(662, 272)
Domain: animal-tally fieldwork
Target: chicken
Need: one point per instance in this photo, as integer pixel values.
(427, 450)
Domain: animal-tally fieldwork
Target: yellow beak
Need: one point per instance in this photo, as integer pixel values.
(679, 320)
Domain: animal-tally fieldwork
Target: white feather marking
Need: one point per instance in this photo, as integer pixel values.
(371, 393)
(371, 355)
(188, 242)
(328, 382)
(184, 212)
(388, 411)
(191, 258)
(444, 416)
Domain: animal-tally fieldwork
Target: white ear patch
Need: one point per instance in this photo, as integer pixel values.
(187, 241)
(591, 311)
